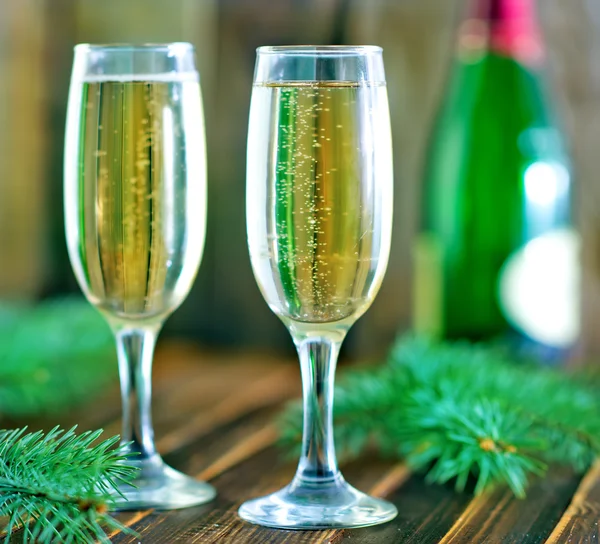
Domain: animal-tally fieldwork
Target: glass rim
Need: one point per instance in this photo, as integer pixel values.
(166, 46)
(318, 49)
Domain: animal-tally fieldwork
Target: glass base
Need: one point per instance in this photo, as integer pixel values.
(325, 506)
(160, 487)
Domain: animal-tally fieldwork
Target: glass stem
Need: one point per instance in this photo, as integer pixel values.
(318, 464)
(135, 348)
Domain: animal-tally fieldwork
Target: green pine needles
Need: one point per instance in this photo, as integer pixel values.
(53, 355)
(461, 410)
(57, 488)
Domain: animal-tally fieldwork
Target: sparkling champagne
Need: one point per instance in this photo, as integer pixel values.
(135, 192)
(319, 158)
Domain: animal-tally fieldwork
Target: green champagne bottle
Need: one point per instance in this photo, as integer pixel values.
(495, 251)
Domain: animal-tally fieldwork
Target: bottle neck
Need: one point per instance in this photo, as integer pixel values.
(507, 27)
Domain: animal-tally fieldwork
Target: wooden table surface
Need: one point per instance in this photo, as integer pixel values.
(214, 419)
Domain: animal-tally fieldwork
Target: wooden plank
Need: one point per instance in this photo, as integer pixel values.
(186, 380)
(212, 523)
(225, 407)
(237, 475)
(213, 397)
(439, 515)
(205, 457)
(60, 29)
(236, 458)
(425, 514)
(222, 411)
(193, 391)
(253, 392)
(500, 517)
(579, 523)
(175, 363)
(220, 435)
(23, 191)
(211, 455)
(258, 475)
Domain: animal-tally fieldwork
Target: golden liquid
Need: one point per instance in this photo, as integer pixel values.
(319, 197)
(135, 194)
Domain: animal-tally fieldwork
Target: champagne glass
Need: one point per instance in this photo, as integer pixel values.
(319, 216)
(135, 219)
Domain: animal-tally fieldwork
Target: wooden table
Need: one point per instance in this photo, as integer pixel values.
(214, 419)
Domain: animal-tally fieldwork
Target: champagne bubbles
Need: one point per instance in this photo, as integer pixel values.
(322, 240)
(133, 172)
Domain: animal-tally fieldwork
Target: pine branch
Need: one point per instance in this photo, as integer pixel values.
(460, 410)
(59, 487)
(52, 356)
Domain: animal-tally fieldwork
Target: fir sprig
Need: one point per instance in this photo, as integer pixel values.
(52, 355)
(59, 487)
(460, 410)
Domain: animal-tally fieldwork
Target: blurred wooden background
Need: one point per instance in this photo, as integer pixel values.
(225, 307)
